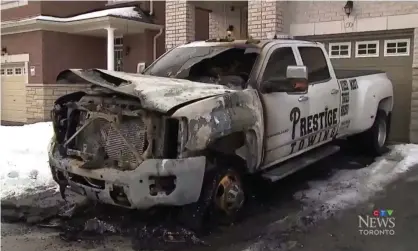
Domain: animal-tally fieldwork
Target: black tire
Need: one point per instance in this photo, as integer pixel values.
(373, 141)
(205, 213)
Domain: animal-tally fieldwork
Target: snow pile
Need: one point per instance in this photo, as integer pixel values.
(24, 159)
(347, 188)
(128, 12)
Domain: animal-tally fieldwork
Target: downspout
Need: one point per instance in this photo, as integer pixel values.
(151, 7)
(155, 43)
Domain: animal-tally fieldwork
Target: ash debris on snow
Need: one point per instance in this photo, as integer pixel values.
(173, 238)
(145, 235)
(83, 220)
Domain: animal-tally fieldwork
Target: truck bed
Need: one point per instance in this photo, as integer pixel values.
(344, 73)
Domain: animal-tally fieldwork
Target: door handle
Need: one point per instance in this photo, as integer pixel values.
(303, 98)
(335, 91)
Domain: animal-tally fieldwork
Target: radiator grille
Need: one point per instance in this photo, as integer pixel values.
(100, 134)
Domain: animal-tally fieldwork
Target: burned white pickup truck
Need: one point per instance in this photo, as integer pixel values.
(187, 130)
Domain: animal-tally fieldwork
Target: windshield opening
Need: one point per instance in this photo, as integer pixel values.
(229, 66)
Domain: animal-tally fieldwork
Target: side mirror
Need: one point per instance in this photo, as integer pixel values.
(297, 72)
(296, 80)
(140, 67)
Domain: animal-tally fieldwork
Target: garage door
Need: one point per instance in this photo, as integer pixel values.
(390, 52)
(13, 94)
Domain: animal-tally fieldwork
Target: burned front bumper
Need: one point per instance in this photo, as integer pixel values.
(154, 182)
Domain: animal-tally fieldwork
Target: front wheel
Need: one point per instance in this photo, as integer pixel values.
(221, 200)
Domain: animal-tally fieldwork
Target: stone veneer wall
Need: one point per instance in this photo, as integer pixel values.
(413, 129)
(179, 19)
(265, 17)
(40, 98)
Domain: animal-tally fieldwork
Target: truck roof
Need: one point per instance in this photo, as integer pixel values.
(244, 43)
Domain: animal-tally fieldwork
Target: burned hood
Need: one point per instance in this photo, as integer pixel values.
(155, 93)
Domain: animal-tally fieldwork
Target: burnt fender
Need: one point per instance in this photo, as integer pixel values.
(216, 117)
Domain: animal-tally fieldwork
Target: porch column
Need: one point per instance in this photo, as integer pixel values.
(110, 49)
(265, 17)
(179, 23)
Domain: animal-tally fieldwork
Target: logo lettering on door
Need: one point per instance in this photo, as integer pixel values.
(312, 124)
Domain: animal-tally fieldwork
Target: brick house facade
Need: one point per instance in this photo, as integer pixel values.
(391, 28)
(43, 49)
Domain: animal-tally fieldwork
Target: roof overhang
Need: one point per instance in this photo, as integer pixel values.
(93, 26)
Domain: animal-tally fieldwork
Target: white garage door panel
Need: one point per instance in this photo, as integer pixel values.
(13, 93)
(11, 114)
(12, 78)
(8, 106)
(6, 86)
(15, 96)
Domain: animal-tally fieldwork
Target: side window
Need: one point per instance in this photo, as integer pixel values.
(278, 62)
(313, 58)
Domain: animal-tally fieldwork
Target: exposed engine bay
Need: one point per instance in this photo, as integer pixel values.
(114, 131)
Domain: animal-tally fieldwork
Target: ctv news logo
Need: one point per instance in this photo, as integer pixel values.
(380, 222)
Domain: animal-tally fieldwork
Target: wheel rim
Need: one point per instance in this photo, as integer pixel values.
(229, 196)
(381, 136)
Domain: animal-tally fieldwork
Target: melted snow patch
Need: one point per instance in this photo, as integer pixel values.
(347, 188)
(24, 159)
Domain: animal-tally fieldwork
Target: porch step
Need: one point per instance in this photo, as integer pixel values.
(299, 162)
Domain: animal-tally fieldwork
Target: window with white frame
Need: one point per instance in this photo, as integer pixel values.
(367, 49)
(9, 71)
(118, 53)
(7, 4)
(2, 71)
(397, 47)
(18, 71)
(339, 50)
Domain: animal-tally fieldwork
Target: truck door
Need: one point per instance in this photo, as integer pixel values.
(282, 110)
(324, 98)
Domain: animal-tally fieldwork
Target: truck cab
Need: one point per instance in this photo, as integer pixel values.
(330, 107)
(298, 120)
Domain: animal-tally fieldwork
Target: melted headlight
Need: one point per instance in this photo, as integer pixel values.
(175, 137)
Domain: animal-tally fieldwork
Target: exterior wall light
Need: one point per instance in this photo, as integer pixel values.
(3, 51)
(348, 8)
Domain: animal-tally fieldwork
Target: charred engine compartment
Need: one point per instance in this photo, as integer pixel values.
(108, 130)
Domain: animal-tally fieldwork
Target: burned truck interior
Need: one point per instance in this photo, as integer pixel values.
(225, 65)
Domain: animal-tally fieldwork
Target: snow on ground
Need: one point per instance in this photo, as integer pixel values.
(344, 189)
(347, 188)
(24, 159)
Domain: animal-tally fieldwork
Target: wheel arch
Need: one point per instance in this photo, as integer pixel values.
(386, 105)
(239, 146)
(217, 123)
